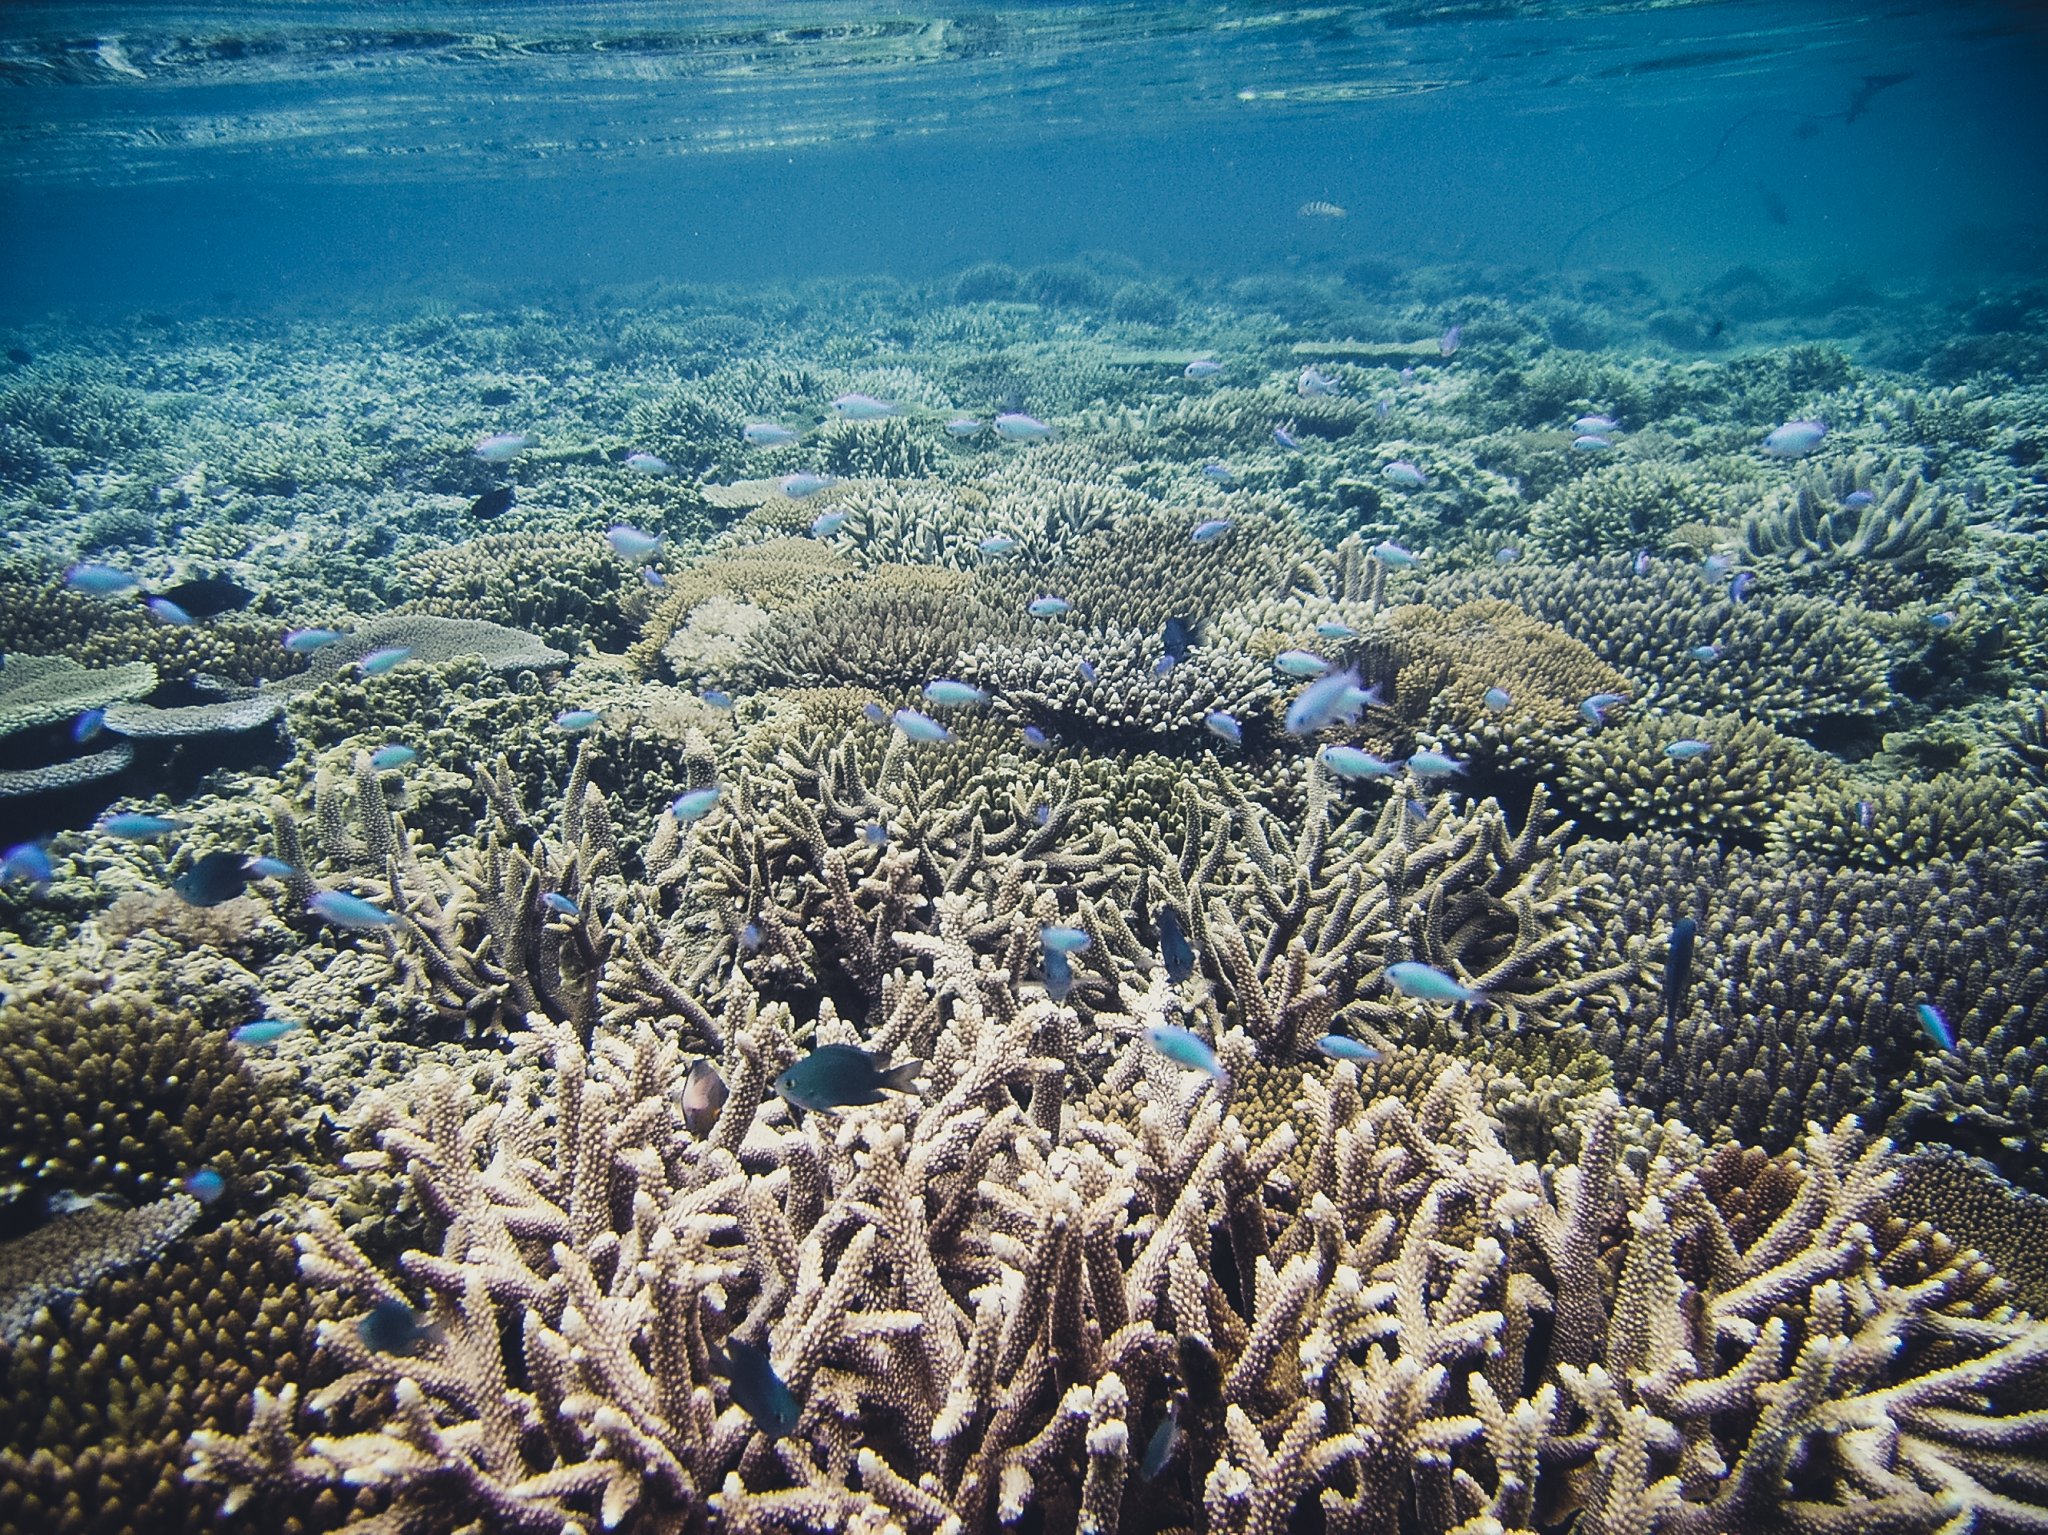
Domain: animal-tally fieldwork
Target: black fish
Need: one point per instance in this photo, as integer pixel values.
(215, 878)
(20, 356)
(1678, 967)
(1872, 84)
(205, 596)
(1174, 948)
(393, 1327)
(1200, 1369)
(840, 1076)
(497, 394)
(1178, 635)
(492, 503)
(762, 1394)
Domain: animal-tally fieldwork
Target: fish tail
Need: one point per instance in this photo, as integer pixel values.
(902, 1077)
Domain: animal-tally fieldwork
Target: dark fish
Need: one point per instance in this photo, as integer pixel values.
(762, 1394)
(492, 503)
(1774, 205)
(1872, 84)
(1165, 1440)
(206, 596)
(1174, 949)
(215, 878)
(1178, 635)
(1200, 1369)
(20, 356)
(1678, 967)
(842, 1076)
(497, 394)
(704, 1094)
(393, 1327)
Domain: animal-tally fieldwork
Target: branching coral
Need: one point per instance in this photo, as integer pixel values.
(1622, 508)
(1625, 777)
(1897, 518)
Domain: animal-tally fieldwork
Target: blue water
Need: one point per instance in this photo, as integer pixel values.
(300, 153)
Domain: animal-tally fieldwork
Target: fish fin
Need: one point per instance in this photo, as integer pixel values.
(901, 1077)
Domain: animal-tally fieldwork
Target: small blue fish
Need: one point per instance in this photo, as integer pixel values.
(574, 722)
(1222, 474)
(646, 463)
(634, 543)
(1684, 751)
(694, 804)
(766, 434)
(826, 524)
(1394, 556)
(1314, 384)
(1434, 765)
(1286, 439)
(1496, 700)
(264, 867)
(206, 1185)
(1350, 762)
(1065, 940)
(1404, 474)
(1594, 710)
(88, 725)
(874, 834)
(653, 579)
(1184, 1047)
(963, 427)
(263, 1031)
(873, 712)
(1866, 814)
(922, 727)
(1856, 500)
(843, 1076)
(350, 911)
(1336, 631)
(1795, 439)
(561, 904)
(1036, 739)
(1595, 426)
(1448, 343)
(1086, 668)
(1162, 1446)
(393, 756)
(1341, 1047)
(1301, 663)
(378, 662)
(1717, 565)
(1164, 665)
(863, 407)
(1743, 584)
(1208, 532)
(1426, 983)
(1323, 702)
(1015, 426)
(997, 544)
(304, 642)
(1383, 407)
(1059, 975)
(393, 1327)
(718, 698)
(1705, 653)
(1175, 952)
(136, 825)
(1641, 565)
(950, 694)
(500, 447)
(757, 1390)
(1202, 367)
(1225, 726)
(1590, 444)
(1507, 554)
(168, 611)
(750, 937)
(99, 580)
(1935, 1026)
(1941, 623)
(27, 863)
(1049, 607)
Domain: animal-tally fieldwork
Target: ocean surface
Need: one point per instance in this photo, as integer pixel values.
(1047, 768)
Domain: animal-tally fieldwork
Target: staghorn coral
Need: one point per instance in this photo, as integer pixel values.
(1739, 790)
(896, 626)
(1806, 524)
(978, 1317)
(1622, 508)
(1804, 981)
(1040, 680)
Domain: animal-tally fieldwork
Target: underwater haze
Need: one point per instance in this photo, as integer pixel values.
(1074, 768)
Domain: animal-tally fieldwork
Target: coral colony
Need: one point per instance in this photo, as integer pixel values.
(1376, 925)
